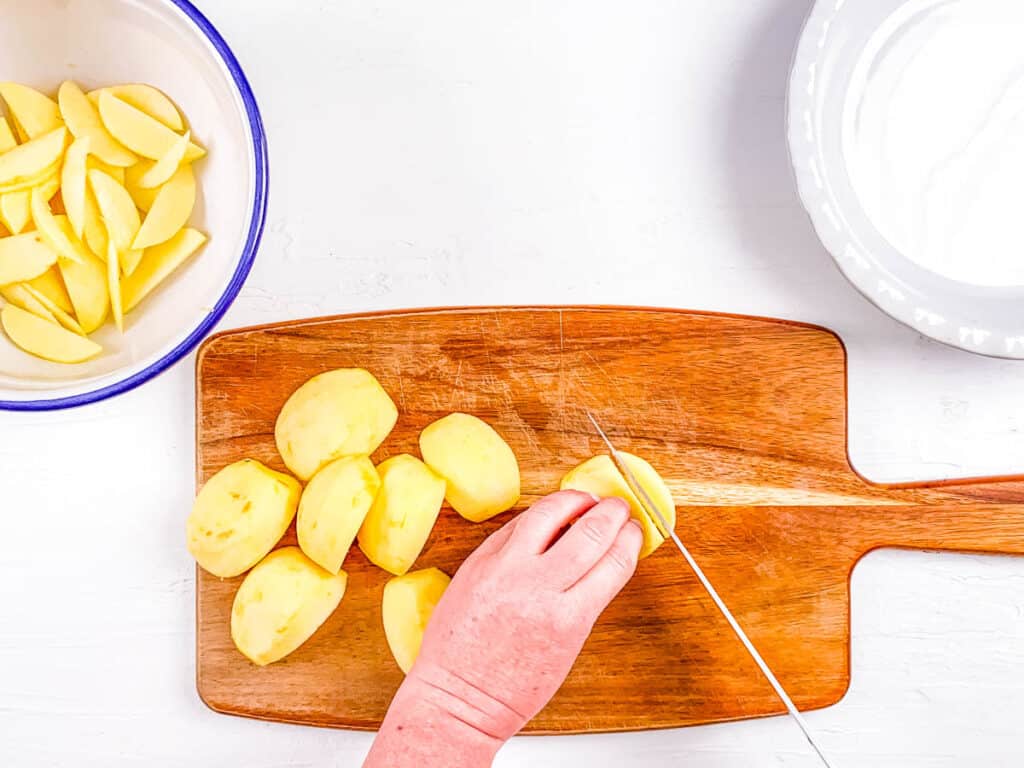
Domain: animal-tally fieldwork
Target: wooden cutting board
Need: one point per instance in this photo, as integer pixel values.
(744, 417)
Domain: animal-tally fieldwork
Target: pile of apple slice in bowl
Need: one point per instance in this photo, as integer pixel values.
(96, 191)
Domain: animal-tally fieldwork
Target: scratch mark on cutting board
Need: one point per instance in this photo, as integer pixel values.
(456, 384)
(401, 389)
(599, 367)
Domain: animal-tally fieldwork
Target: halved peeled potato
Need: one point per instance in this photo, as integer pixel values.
(333, 507)
(281, 603)
(403, 514)
(239, 515)
(479, 467)
(44, 338)
(339, 413)
(601, 477)
(408, 604)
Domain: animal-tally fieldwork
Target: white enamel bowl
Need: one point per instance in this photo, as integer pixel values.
(169, 44)
(927, 227)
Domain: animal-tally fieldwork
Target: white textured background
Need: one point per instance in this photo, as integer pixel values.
(515, 151)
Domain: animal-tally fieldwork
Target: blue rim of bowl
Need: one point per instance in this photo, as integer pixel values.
(252, 241)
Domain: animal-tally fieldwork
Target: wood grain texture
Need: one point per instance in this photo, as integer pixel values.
(744, 417)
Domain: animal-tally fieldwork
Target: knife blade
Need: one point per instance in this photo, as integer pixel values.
(659, 519)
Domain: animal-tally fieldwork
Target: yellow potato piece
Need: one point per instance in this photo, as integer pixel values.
(408, 604)
(142, 196)
(30, 183)
(24, 257)
(72, 183)
(164, 168)
(34, 112)
(50, 229)
(33, 159)
(117, 208)
(140, 132)
(19, 296)
(7, 140)
(66, 320)
(52, 286)
(239, 515)
(480, 469)
(281, 603)
(332, 508)
(94, 230)
(87, 286)
(114, 286)
(157, 263)
(339, 413)
(15, 210)
(170, 211)
(147, 99)
(403, 514)
(83, 120)
(114, 172)
(600, 476)
(44, 339)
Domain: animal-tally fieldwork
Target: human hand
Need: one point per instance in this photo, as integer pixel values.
(508, 630)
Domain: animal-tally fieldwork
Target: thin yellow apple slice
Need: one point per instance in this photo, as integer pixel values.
(117, 208)
(165, 167)
(114, 285)
(83, 120)
(157, 263)
(170, 211)
(34, 112)
(147, 99)
(117, 174)
(140, 132)
(50, 229)
(87, 286)
(32, 159)
(7, 140)
(23, 257)
(133, 176)
(51, 284)
(20, 297)
(15, 210)
(63, 317)
(44, 339)
(72, 183)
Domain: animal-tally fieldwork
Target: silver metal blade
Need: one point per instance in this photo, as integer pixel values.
(656, 514)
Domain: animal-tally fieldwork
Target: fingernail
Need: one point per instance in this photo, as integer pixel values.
(594, 496)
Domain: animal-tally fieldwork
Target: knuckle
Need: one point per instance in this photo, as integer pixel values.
(594, 530)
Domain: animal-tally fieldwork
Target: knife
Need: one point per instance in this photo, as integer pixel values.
(656, 515)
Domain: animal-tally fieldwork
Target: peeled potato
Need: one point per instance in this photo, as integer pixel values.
(333, 507)
(239, 515)
(45, 339)
(281, 603)
(29, 161)
(24, 257)
(600, 476)
(34, 113)
(339, 413)
(480, 469)
(403, 514)
(408, 603)
(157, 263)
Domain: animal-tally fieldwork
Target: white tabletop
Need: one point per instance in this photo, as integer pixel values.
(477, 152)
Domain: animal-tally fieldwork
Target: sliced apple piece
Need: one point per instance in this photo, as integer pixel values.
(32, 160)
(44, 339)
(50, 229)
(7, 140)
(18, 295)
(408, 604)
(171, 209)
(165, 167)
(83, 120)
(24, 257)
(87, 286)
(73, 183)
(157, 263)
(34, 112)
(15, 210)
(147, 99)
(63, 317)
(117, 208)
(140, 132)
(52, 286)
(114, 285)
